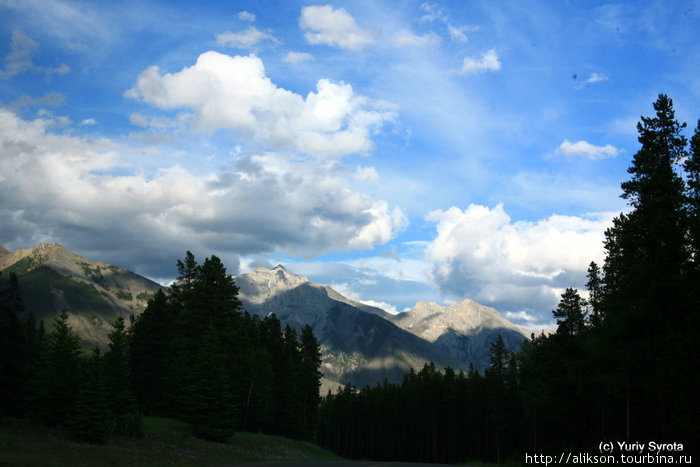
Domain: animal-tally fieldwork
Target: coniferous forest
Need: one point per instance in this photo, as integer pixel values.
(191, 355)
(622, 364)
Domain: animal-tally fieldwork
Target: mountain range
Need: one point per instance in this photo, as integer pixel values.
(360, 344)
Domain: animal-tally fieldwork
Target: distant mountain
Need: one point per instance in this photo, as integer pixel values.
(51, 278)
(464, 330)
(360, 345)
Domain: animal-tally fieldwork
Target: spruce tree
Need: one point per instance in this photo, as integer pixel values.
(121, 403)
(13, 351)
(90, 419)
(211, 408)
(58, 378)
(150, 353)
(310, 379)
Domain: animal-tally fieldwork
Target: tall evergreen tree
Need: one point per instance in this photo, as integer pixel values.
(570, 314)
(211, 408)
(58, 377)
(150, 354)
(90, 419)
(310, 379)
(13, 350)
(647, 256)
(122, 406)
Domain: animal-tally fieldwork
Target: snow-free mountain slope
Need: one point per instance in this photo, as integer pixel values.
(52, 278)
(464, 330)
(358, 346)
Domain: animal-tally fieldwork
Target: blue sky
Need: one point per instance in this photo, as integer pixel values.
(398, 151)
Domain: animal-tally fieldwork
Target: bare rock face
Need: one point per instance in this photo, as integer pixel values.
(464, 330)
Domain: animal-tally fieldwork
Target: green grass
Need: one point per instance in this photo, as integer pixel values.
(166, 442)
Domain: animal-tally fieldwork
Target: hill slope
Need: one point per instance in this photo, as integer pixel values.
(94, 294)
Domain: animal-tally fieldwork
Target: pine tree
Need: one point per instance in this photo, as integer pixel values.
(595, 295)
(647, 257)
(570, 314)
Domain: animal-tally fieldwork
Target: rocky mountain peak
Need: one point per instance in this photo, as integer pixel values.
(263, 283)
(431, 320)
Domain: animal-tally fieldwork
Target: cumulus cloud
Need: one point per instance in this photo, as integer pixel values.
(234, 93)
(81, 192)
(480, 253)
(586, 149)
(247, 39)
(335, 27)
(407, 38)
(489, 61)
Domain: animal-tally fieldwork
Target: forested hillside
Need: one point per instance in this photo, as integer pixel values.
(191, 355)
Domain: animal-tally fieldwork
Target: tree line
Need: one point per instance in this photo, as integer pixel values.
(193, 354)
(622, 364)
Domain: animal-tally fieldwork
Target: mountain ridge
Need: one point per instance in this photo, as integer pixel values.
(52, 278)
(361, 344)
(464, 329)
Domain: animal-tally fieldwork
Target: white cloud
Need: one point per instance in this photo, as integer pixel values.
(334, 27)
(489, 61)
(246, 16)
(81, 192)
(521, 315)
(366, 174)
(235, 93)
(457, 34)
(88, 122)
(433, 12)
(247, 39)
(480, 253)
(297, 57)
(388, 307)
(597, 78)
(586, 149)
(408, 39)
